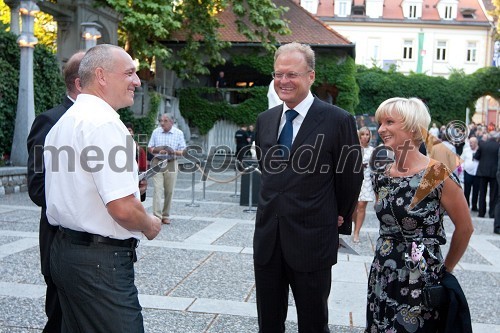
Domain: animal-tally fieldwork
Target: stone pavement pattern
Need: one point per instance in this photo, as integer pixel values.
(197, 275)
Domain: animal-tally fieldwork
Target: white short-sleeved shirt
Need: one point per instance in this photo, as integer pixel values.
(89, 160)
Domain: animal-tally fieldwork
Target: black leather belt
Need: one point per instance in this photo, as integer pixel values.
(86, 238)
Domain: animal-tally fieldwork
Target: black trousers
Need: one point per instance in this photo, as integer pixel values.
(310, 292)
(483, 189)
(52, 307)
(471, 183)
(95, 283)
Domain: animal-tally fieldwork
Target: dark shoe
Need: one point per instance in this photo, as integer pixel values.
(474, 209)
(497, 231)
(480, 215)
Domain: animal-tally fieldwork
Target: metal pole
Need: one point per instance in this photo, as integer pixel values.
(235, 195)
(250, 209)
(192, 204)
(204, 186)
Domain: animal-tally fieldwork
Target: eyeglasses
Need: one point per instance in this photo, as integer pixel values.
(289, 75)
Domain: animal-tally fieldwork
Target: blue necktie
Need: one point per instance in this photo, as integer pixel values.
(286, 134)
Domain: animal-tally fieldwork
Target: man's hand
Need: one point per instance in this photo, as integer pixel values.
(143, 186)
(340, 220)
(154, 229)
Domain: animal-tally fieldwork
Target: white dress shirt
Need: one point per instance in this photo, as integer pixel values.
(99, 168)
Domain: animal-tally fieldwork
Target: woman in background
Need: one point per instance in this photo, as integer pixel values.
(366, 195)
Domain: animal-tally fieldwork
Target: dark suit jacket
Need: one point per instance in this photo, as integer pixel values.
(487, 155)
(36, 175)
(303, 197)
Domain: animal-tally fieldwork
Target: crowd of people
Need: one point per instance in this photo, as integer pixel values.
(92, 216)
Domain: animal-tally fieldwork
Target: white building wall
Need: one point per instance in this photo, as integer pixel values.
(391, 39)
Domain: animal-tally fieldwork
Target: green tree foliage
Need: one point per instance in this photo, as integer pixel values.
(146, 24)
(447, 99)
(48, 84)
(202, 113)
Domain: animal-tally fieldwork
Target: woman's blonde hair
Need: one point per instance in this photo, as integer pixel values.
(364, 129)
(416, 117)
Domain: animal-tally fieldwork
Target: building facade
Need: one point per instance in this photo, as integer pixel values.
(433, 37)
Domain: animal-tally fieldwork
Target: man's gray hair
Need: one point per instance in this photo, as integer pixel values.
(97, 56)
(302, 48)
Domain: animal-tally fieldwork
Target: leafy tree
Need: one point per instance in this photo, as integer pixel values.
(496, 14)
(147, 24)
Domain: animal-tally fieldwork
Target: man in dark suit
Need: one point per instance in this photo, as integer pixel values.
(306, 192)
(487, 155)
(36, 184)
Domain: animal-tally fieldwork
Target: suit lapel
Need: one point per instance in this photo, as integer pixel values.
(312, 120)
(274, 124)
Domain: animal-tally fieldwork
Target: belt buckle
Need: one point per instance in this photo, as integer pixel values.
(135, 243)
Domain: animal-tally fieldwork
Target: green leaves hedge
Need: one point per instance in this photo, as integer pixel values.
(447, 99)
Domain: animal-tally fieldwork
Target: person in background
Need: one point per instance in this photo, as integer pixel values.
(471, 181)
(221, 81)
(272, 97)
(366, 195)
(92, 196)
(496, 226)
(36, 184)
(434, 130)
(141, 157)
(486, 154)
(413, 193)
(166, 144)
(242, 140)
(299, 211)
(250, 134)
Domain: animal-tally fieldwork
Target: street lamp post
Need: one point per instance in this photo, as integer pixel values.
(26, 96)
(90, 34)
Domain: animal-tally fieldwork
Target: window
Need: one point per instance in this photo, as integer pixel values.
(471, 51)
(407, 49)
(342, 9)
(310, 5)
(448, 12)
(441, 51)
(413, 11)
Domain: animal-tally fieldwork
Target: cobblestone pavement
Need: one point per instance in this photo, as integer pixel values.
(197, 275)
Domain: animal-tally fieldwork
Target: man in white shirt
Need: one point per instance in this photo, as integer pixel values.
(92, 195)
(471, 181)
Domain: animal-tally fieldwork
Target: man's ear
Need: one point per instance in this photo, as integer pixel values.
(100, 77)
(78, 85)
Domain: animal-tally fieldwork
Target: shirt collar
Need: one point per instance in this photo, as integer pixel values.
(302, 107)
(94, 100)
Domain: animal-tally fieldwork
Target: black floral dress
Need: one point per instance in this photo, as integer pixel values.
(410, 214)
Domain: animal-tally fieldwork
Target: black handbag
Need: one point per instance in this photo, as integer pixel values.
(434, 296)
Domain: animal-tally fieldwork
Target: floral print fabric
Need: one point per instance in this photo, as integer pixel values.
(409, 210)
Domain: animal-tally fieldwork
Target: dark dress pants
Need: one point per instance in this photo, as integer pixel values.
(95, 283)
(310, 291)
(471, 183)
(52, 307)
(483, 189)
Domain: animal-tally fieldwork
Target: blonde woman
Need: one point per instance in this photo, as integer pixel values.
(412, 195)
(366, 195)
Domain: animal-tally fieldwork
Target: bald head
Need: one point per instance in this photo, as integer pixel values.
(473, 142)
